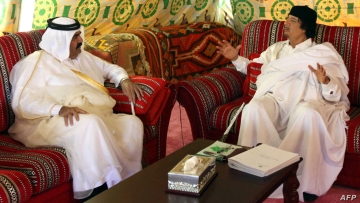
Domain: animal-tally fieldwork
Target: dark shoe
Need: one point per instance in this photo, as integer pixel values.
(309, 197)
(96, 191)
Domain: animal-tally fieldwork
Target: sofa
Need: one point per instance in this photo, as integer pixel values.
(42, 174)
(212, 100)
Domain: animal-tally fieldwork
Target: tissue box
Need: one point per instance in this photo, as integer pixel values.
(191, 182)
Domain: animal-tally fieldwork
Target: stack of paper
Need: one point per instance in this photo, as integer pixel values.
(263, 160)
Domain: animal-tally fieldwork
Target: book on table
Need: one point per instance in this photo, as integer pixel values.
(263, 160)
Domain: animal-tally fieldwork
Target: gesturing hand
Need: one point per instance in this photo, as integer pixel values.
(69, 112)
(320, 74)
(227, 50)
(131, 90)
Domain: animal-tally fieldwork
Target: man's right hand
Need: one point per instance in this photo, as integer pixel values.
(69, 112)
(228, 51)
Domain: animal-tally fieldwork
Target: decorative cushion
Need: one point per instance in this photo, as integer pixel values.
(221, 117)
(249, 87)
(156, 92)
(353, 131)
(184, 52)
(14, 186)
(46, 167)
(13, 47)
(123, 49)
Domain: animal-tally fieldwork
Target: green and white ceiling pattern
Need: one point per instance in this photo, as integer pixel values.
(106, 16)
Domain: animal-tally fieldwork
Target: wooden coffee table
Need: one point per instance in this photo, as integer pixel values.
(230, 185)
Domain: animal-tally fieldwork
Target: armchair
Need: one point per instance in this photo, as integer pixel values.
(42, 174)
(212, 100)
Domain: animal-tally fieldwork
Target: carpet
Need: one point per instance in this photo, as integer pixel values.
(179, 135)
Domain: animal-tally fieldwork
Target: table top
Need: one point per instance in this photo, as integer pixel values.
(229, 185)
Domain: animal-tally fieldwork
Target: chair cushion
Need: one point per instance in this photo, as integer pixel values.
(249, 88)
(46, 167)
(14, 186)
(353, 131)
(156, 92)
(13, 47)
(221, 117)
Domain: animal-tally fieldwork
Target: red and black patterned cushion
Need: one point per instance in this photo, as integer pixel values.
(249, 87)
(13, 47)
(183, 52)
(353, 131)
(14, 186)
(45, 167)
(209, 91)
(149, 109)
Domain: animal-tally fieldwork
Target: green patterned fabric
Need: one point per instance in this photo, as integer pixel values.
(9, 15)
(109, 16)
(106, 16)
(330, 12)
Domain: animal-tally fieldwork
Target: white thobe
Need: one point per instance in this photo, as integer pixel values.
(293, 111)
(102, 146)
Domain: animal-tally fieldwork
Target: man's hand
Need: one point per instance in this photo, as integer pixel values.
(228, 51)
(320, 74)
(131, 90)
(69, 112)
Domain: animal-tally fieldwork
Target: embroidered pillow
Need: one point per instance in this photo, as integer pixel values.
(249, 87)
(156, 93)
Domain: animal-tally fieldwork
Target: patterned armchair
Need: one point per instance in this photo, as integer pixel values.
(212, 100)
(42, 174)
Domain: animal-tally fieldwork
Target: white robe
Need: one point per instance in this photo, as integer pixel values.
(102, 146)
(288, 111)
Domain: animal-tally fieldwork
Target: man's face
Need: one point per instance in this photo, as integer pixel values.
(292, 29)
(75, 45)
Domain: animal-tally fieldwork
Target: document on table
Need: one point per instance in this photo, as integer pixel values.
(262, 160)
(218, 149)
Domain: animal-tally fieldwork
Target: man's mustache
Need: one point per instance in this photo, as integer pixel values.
(79, 45)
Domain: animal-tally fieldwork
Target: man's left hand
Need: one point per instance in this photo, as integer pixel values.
(131, 90)
(320, 74)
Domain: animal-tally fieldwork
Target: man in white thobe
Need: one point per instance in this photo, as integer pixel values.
(300, 103)
(59, 99)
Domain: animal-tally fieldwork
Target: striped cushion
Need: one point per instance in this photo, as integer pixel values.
(45, 167)
(353, 132)
(14, 186)
(249, 88)
(155, 93)
(13, 47)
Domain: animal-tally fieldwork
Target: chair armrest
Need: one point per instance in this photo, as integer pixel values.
(156, 92)
(14, 186)
(201, 95)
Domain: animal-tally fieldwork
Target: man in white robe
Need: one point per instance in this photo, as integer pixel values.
(300, 103)
(59, 99)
